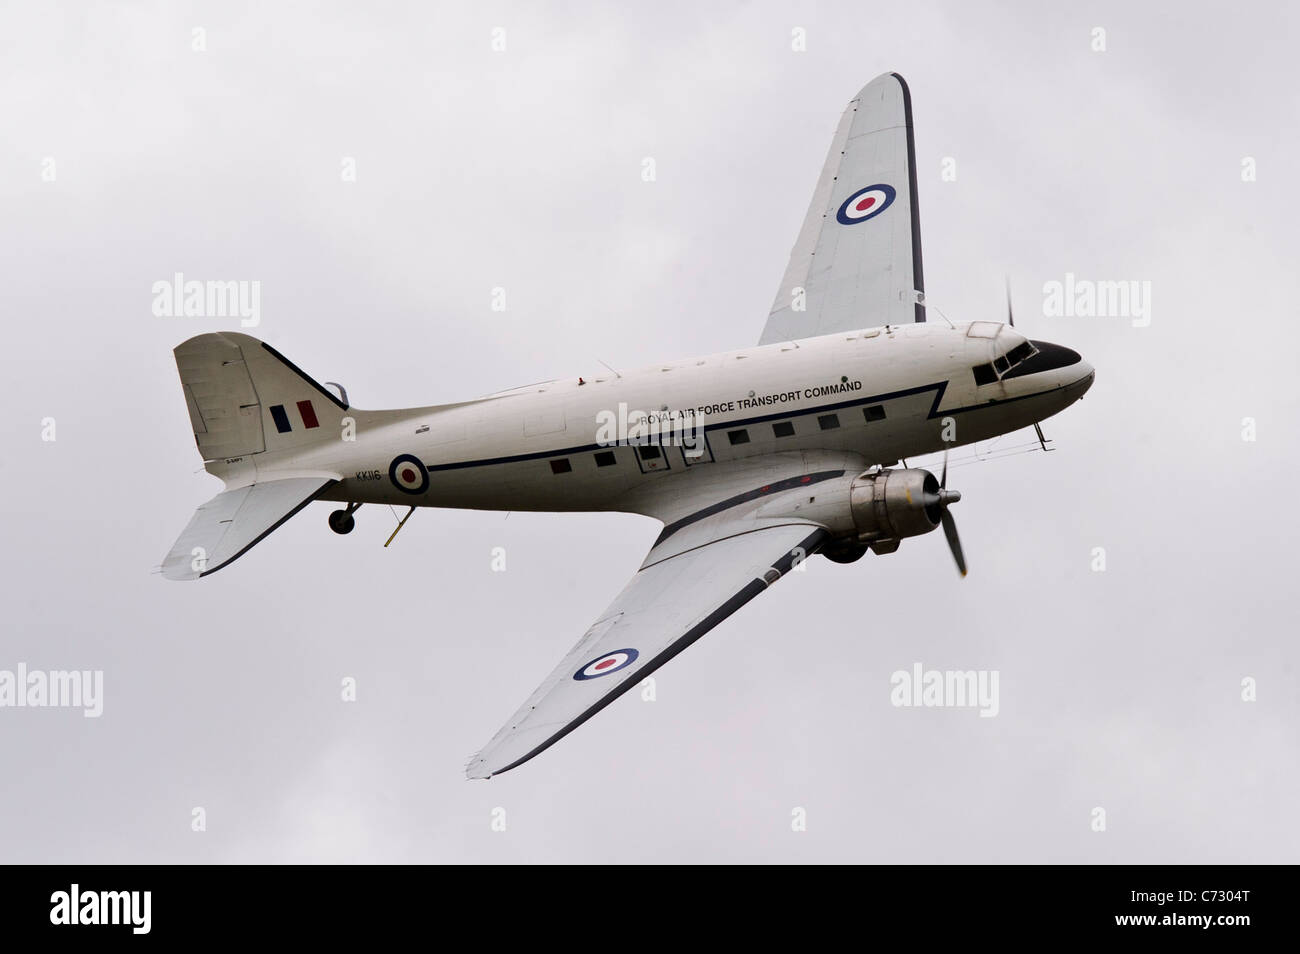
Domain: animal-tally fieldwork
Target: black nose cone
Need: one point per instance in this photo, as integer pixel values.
(1049, 358)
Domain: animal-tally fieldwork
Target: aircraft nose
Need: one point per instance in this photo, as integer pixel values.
(1050, 357)
(1087, 374)
(1060, 367)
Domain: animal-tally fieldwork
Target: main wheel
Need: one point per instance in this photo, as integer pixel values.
(342, 522)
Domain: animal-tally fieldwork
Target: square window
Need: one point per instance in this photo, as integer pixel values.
(738, 437)
(561, 466)
(649, 452)
(783, 429)
(829, 421)
(984, 374)
(875, 412)
(605, 459)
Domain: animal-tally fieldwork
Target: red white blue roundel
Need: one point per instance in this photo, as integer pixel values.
(408, 474)
(865, 204)
(604, 665)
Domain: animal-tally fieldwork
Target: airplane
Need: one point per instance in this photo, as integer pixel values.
(753, 460)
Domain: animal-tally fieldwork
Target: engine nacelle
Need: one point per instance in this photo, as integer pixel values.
(888, 505)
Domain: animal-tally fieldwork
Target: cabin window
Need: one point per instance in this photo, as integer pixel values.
(829, 422)
(738, 437)
(605, 459)
(561, 466)
(783, 429)
(649, 452)
(874, 412)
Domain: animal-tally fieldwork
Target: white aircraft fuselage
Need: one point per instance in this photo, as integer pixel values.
(883, 394)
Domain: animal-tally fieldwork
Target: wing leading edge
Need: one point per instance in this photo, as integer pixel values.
(857, 260)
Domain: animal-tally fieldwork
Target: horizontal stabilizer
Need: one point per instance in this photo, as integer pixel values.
(228, 525)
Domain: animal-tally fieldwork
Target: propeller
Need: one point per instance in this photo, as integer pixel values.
(1011, 318)
(945, 498)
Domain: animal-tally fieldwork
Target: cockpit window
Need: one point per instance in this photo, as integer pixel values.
(999, 366)
(1019, 353)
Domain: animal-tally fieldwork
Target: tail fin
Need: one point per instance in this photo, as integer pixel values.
(244, 398)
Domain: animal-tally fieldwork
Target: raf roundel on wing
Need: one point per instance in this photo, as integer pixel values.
(604, 665)
(865, 204)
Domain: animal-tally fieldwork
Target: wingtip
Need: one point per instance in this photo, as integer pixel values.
(882, 80)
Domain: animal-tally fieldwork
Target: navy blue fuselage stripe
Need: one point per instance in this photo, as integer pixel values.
(564, 451)
(720, 425)
(938, 388)
(281, 419)
(802, 480)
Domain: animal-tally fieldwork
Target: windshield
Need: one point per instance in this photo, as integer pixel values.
(1010, 348)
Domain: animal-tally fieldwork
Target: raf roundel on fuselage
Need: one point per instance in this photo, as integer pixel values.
(408, 474)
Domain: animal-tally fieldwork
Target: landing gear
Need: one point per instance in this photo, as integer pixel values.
(342, 521)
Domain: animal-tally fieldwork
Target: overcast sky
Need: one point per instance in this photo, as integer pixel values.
(522, 169)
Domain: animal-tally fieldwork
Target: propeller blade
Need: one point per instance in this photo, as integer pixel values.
(943, 481)
(954, 542)
(1011, 319)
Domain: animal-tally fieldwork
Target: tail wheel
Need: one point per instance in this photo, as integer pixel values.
(342, 521)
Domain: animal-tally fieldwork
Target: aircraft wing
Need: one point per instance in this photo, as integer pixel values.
(703, 568)
(857, 261)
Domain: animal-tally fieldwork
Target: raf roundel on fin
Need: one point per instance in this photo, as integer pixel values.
(865, 204)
